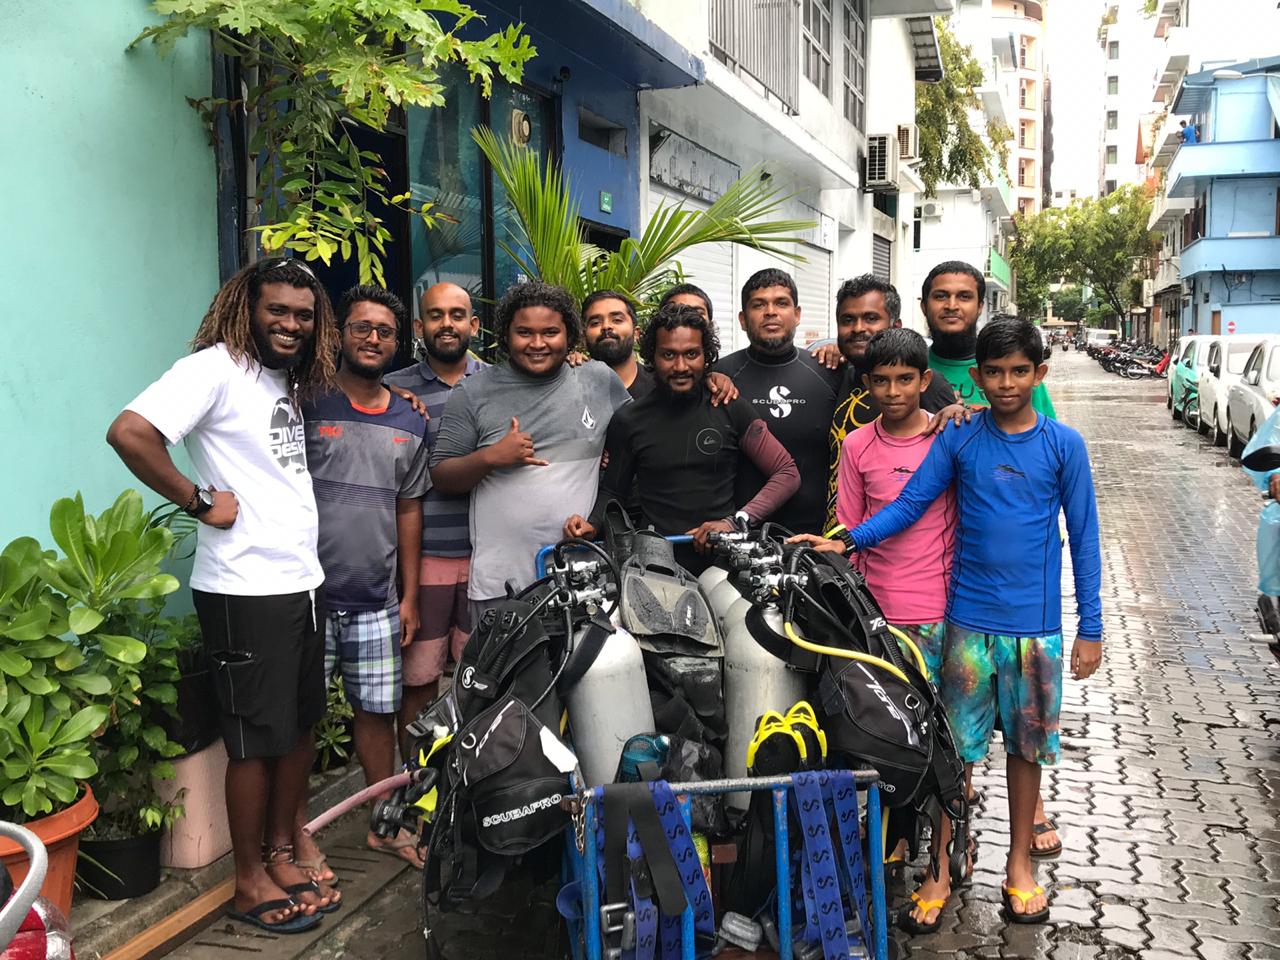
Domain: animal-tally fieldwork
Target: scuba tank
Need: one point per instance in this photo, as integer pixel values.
(711, 578)
(723, 596)
(608, 706)
(755, 681)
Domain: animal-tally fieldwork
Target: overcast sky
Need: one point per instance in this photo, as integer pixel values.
(1075, 70)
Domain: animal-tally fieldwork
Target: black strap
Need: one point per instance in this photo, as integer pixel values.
(584, 653)
(657, 851)
(616, 868)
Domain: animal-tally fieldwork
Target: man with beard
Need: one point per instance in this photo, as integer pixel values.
(267, 342)
(367, 450)
(682, 453)
(797, 391)
(445, 328)
(866, 305)
(951, 297)
(524, 438)
(609, 328)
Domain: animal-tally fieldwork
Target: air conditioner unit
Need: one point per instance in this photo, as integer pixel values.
(908, 141)
(1188, 286)
(882, 162)
(931, 210)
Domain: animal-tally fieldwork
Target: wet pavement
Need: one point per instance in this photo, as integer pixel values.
(1168, 796)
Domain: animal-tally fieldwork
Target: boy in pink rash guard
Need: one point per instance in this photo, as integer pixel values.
(908, 573)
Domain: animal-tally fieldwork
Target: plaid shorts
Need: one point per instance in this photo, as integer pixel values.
(366, 644)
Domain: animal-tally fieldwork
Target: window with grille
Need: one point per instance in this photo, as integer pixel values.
(854, 43)
(1113, 154)
(1113, 85)
(1113, 119)
(817, 44)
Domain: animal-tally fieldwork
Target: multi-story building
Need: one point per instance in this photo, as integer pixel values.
(961, 223)
(1229, 259)
(1128, 51)
(1194, 42)
(818, 95)
(1020, 23)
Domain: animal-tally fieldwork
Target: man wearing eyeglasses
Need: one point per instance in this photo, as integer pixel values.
(367, 450)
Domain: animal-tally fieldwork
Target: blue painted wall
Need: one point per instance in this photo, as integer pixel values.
(109, 258)
(590, 168)
(1242, 206)
(1240, 110)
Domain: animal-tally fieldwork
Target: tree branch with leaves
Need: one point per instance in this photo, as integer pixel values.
(951, 150)
(316, 71)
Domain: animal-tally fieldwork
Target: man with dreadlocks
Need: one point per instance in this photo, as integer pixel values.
(267, 343)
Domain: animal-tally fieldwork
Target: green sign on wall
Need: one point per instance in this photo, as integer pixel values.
(606, 201)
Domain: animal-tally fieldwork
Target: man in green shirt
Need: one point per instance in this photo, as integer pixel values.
(952, 297)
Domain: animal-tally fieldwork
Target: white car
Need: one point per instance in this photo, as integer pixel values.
(1223, 366)
(1251, 400)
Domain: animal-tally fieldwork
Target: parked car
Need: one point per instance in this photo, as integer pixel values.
(1257, 393)
(1184, 373)
(1224, 362)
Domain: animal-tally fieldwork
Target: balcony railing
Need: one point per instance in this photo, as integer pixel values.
(998, 268)
(761, 38)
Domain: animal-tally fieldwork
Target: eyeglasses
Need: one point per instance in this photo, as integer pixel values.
(275, 263)
(361, 329)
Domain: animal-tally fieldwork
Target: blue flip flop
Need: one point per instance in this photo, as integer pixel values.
(299, 923)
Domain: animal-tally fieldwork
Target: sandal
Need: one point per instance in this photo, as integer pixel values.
(1040, 829)
(311, 886)
(393, 848)
(317, 868)
(273, 856)
(910, 924)
(298, 923)
(1008, 893)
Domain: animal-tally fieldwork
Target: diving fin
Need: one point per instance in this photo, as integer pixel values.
(661, 605)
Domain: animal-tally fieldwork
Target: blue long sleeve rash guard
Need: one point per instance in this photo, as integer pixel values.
(1007, 573)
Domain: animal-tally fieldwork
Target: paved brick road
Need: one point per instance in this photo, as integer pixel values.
(1168, 796)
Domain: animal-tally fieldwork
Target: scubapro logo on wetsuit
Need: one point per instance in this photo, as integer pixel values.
(781, 402)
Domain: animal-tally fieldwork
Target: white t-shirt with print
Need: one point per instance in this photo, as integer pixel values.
(243, 434)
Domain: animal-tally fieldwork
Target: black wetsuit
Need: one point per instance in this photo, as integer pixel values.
(643, 384)
(796, 396)
(685, 455)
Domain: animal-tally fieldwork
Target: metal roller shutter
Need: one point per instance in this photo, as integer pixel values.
(881, 258)
(710, 266)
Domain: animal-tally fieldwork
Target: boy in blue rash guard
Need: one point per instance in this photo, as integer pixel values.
(1013, 470)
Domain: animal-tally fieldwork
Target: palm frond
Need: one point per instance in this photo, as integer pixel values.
(547, 239)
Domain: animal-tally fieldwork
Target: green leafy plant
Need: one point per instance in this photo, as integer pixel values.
(70, 662)
(547, 240)
(314, 72)
(333, 732)
(951, 150)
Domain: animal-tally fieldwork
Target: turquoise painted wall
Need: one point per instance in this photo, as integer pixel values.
(108, 256)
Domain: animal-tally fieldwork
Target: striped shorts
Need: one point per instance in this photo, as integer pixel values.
(366, 645)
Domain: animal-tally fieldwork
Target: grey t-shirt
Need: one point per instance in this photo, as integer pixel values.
(517, 510)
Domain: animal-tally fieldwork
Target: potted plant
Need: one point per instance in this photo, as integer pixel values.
(121, 848)
(63, 669)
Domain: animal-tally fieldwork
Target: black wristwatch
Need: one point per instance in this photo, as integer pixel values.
(200, 502)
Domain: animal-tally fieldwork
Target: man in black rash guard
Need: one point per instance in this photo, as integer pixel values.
(685, 453)
(792, 390)
(609, 329)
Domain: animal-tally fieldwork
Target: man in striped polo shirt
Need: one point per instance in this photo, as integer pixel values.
(367, 451)
(446, 325)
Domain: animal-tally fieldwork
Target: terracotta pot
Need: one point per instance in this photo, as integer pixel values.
(60, 833)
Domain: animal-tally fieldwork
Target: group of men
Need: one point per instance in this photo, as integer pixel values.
(360, 521)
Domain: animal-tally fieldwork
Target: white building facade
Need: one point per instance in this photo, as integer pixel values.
(818, 96)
